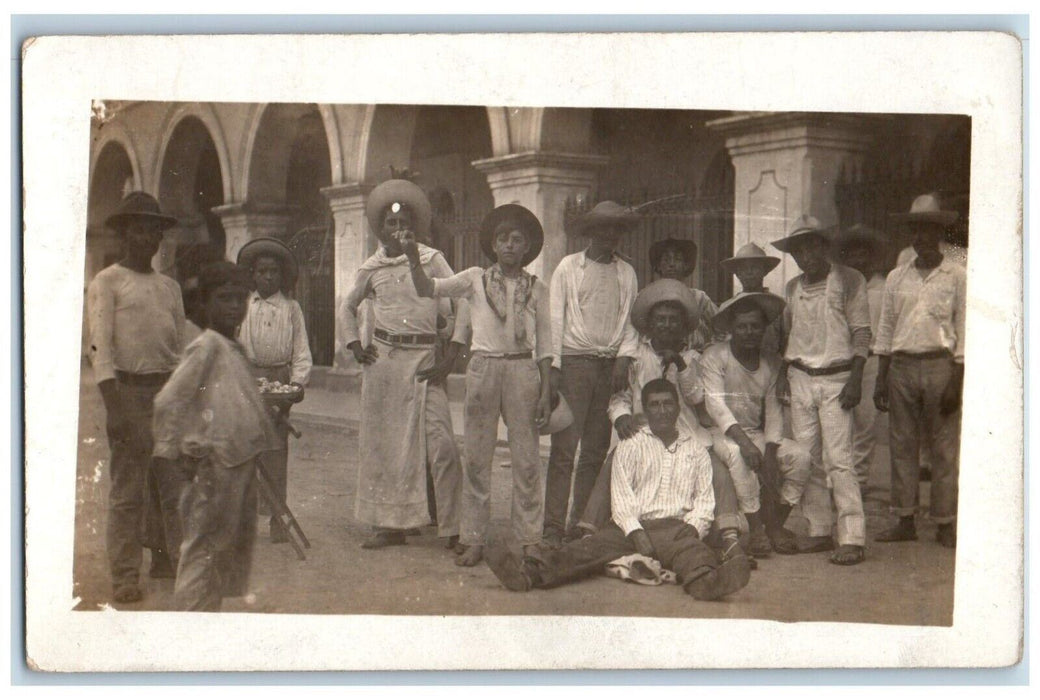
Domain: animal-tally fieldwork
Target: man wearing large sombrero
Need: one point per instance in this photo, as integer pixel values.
(676, 259)
(920, 344)
(863, 248)
(405, 419)
(273, 336)
(661, 315)
(508, 373)
(739, 378)
(592, 293)
(136, 319)
(827, 321)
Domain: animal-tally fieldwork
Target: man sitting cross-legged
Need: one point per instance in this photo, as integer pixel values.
(662, 503)
(739, 380)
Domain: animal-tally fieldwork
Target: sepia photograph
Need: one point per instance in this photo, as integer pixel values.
(464, 360)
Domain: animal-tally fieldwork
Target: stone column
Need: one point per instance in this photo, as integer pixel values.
(244, 221)
(542, 182)
(787, 164)
(353, 243)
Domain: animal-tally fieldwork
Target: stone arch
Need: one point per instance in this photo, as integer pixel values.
(206, 114)
(114, 134)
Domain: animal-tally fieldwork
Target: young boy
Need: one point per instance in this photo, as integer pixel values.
(509, 315)
(274, 338)
(211, 416)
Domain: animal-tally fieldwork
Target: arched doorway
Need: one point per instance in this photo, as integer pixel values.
(112, 179)
(289, 165)
(190, 186)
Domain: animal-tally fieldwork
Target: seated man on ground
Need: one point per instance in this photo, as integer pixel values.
(662, 503)
(739, 378)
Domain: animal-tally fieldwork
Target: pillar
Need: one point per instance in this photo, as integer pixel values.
(788, 164)
(246, 221)
(542, 182)
(353, 243)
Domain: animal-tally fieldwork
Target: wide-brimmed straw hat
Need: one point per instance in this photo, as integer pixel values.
(605, 213)
(686, 248)
(259, 247)
(804, 226)
(747, 254)
(771, 305)
(656, 292)
(926, 208)
(403, 192)
(138, 205)
(524, 218)
(561, 417)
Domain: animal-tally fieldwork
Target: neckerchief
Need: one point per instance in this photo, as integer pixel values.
(495, 292)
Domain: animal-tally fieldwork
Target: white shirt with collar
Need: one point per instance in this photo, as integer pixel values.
(274, 334)
(569, 330)
(923, 310)
(651, 480)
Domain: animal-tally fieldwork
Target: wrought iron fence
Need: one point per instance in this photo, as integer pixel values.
(315, 290)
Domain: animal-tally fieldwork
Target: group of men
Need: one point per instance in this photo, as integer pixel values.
(726, 417)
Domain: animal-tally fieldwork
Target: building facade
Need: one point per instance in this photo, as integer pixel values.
(230, 172)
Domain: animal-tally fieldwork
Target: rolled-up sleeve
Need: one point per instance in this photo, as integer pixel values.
(857, 312)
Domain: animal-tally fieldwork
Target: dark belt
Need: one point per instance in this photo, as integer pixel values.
(508, 356)
(152, 379)
(821, 371)
(418, 339)
(930, 355)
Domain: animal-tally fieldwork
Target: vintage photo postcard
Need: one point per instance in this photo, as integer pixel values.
(523, 351)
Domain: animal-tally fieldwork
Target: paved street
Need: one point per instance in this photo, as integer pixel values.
(907, 583)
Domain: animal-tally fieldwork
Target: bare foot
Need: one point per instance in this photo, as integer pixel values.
(471, 557)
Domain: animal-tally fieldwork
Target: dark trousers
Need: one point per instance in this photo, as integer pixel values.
(134, 512)
(276, 462)
(915, 389)
(684, 554)
(586, 386)
(173, 478)
(218, 512)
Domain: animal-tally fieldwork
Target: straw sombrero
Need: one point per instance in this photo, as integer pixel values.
(771, 305)
(405, 193)
(524, 218)
(656, 292)
(604, 213)
(259, 247)
(746, 254)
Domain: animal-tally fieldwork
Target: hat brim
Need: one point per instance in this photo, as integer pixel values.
(581, 225)
(118, 221)
(771, 305)
(943, 217)
(529, 225)
(259, 247)
(767, 261)
(784, 244)
(655, 293)
(561, 417)
(407, 193)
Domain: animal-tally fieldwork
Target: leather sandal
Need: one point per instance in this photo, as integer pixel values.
(848, 555)
(812, 545)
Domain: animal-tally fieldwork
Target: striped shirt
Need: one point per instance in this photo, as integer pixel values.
(651, 480)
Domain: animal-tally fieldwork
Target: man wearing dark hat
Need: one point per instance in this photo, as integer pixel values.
(828, 338)
(274, 338)
(862, 248)
(768, 470)
(920, 344)
(405, 418)
(592, 293)
(508, 372)
(750, 265)
(136, 318)
(675, 259)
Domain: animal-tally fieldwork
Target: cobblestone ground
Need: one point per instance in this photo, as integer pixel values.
(907, 583)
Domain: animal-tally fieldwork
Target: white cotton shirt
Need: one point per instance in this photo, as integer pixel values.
(923, 312)
(274, 334)
(822, 316)
(735, 395)
(136, 322)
